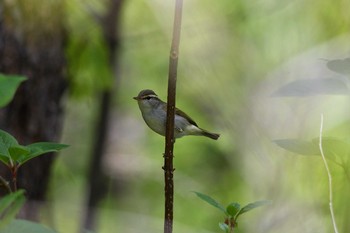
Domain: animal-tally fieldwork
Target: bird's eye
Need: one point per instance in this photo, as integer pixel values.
(148, 97)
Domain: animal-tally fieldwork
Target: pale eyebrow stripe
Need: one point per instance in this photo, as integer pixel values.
(149, 96)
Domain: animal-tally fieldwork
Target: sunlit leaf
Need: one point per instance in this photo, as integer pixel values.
(298, 146)
(233, 208)
(340, 66)
(10, 205)
(40, 148)
(311, 87)
(8, 87)
(210, 201)
(9, 148)
(253, 205)
(18, 152)
(6, 142)
(21, 226)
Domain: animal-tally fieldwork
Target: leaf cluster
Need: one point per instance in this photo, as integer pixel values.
(12, 154)
(232, 211)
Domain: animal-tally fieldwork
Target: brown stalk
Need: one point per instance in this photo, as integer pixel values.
(169, 136)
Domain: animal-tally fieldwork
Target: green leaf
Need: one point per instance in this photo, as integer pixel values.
(223, 226)
(10, 149)
(233, 208)
(8, 87)
(10, 205)
(253, 205)
(6, 142)
(18, 152)
(340, 66)
(211, 201)
(298, 146)
(21, 226)
(7, 200)
(312, 87)
(40, 148)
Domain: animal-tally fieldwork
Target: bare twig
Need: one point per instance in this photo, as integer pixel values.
(329, 179)
(169, 137)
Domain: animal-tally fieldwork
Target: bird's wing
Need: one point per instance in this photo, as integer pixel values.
(181, 113)
(184, 115)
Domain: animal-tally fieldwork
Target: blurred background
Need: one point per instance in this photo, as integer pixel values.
(253, 71)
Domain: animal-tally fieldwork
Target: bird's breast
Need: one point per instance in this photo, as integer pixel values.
(155, 120)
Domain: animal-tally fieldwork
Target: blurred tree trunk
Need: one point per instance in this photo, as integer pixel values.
(97, 182)
(32, 44)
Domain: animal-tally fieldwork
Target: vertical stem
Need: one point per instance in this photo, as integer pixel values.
(14, 177)
(329, 178)
(169, 136)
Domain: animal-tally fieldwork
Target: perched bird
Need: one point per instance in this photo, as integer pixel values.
(154, 113)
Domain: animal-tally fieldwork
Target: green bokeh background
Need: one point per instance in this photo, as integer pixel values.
(231, 57)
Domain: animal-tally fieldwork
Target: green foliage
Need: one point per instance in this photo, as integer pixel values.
(340, 66)
(8, 87)
(233, 208)
(232, 211)
(335, 149)
(20, 226)
(13, 154)
(299, 146)
(33, 21)
(219, 61)
(251, 206)
(311, 87)
(10, 206)
(210, 201)
(89, 68)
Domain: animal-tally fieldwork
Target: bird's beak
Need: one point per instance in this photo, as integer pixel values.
(135, 98)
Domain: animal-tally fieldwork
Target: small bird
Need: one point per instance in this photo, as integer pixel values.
(154, 113)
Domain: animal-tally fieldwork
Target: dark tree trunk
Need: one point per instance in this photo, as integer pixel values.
(35, 114)
(97, 182)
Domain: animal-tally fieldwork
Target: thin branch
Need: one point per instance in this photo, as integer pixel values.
(169, 136)
(329, 179)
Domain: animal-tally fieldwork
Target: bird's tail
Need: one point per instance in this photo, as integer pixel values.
(208, 134)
